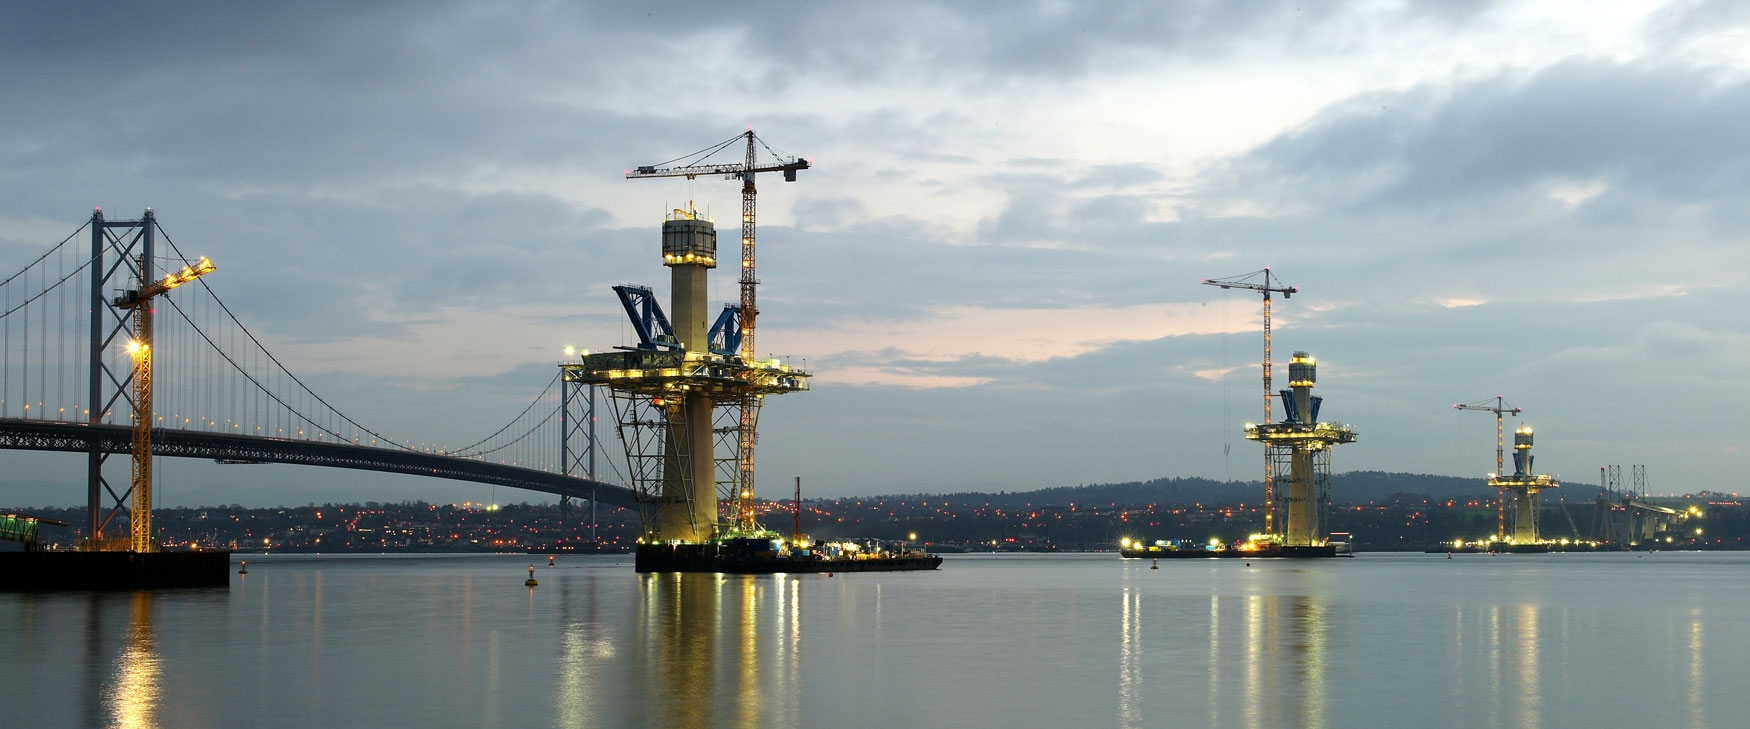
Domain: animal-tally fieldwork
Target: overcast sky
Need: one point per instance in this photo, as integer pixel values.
(993, 266)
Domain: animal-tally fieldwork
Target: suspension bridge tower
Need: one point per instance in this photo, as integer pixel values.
(1300, 448)
(676, 394)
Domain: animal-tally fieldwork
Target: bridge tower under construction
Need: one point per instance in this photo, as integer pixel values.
(1524, 486)
(680, 394)
(1300, 447)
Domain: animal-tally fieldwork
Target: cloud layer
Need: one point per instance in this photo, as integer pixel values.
(993, 266)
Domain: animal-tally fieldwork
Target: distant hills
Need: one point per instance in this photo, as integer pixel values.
(1354, 487)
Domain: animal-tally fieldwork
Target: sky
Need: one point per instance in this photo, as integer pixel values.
(992, 266)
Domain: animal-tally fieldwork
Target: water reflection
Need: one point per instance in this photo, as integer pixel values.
(1130, 659)
(132, 695)
(1266, 661)
(707, 643)
(584, 649)
(1285, 660)
(1697, 697)
(1530, 679)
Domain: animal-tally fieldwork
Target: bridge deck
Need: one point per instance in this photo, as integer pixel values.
(44, 435)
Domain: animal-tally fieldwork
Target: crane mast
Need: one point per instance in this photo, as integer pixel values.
(748, 423)
(1266, 287)
(140, 302)
(1500, 408)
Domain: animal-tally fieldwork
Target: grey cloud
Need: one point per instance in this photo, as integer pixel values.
(1665, 133)
(1686, 19)
(1120, 175)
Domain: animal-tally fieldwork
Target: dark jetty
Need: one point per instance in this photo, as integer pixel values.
(68, 570)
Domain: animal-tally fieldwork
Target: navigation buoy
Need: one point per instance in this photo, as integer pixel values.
(1248, 564)
(531, 581)
(549, 560)
(1449, 555)
(1156, 565)
(244, 569)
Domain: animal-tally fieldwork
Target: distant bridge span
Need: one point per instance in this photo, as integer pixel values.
(44, 435)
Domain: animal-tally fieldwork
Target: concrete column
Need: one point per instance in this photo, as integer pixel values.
(1525, 516)
(1302, 523)
(689, 489)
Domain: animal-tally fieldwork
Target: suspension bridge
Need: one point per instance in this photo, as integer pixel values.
(71, 380)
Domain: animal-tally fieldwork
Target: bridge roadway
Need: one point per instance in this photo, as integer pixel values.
(46, 435)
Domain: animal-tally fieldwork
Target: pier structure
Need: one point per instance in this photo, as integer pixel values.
(681, 395)
(1524, 485)
(1300, 447)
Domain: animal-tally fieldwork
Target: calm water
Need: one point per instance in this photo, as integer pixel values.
(989, 641)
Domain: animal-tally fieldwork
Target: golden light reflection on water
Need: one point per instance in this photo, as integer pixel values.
(1214, 701)
(1259, 645)
(748, 691)
(1310, 631)
(1265, 663)
(1282, 660)
(701, 641)
(585, 648)
(1129, 658)
(1530, 678)
(132, 696)
(1697, 697)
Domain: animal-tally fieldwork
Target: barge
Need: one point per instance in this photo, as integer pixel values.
(1249, 549)
(764, 555)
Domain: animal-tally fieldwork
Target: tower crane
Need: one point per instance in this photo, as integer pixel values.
(692, 166)
(140, 302)
(1500, 409)
(1266, 286)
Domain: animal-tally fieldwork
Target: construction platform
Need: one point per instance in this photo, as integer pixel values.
(1141, 551)
(68, 570)
(756, 556)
